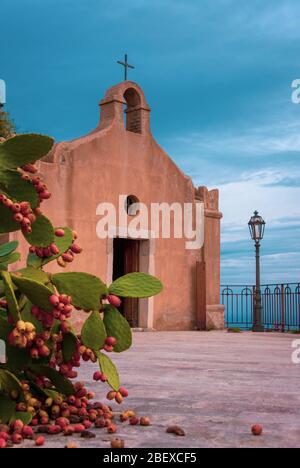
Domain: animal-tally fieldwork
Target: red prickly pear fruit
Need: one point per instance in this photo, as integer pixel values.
(145, 421)
(3, 443)
(34, 422)
(4, 435)
(114, 300)
(97, 376)
(69, 430)
(8, 203)
(3, 304)
(134, 421)
(30, 168)
(45, 195)
(38, 211)
(17, 425)
(34, 353)
(124, 392)
(112, 428)
(25, 207)
(31, 217)
(81, 393)
(111, 341)
(18, 217)
(72, 374)
(54, 429)
(65, 327)
(79, 428)
(87, 424)
(111, 395)
(108, 349)
(59, 233)
(54, 249)
(44, 351)
(25, 222)
(103, 378)
(68, 257)
(16, 208)
(27, 229)
(32, 249)
(27, 432)
(76, 249)
(62, 422)
(64, 299)
(54, 300)
(16, 438)
(40, 441)
(39, 342)
(100, 423)
(257, 429)
(119, 398)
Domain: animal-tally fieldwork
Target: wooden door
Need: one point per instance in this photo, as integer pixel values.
(127, 260)
(131, 265)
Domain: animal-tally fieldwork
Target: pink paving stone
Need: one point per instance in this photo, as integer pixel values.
(215, 385)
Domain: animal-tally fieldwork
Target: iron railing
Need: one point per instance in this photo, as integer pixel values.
(281, 306)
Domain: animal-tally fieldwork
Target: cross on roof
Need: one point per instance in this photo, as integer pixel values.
(126, 66)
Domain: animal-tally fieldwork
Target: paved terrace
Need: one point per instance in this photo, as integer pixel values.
(214, 385)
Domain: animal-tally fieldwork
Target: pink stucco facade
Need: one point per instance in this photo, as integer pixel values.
(114, 160)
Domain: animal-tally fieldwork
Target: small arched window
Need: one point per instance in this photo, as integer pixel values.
(132, 205)
(133, 111)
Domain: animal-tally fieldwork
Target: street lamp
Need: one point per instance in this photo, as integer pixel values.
(257, 230)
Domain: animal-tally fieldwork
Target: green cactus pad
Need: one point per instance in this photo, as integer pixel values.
(69, 346)
(85, 289)
(24, 149)
(5, 328)
(17, 189)
(13, 306)
(93, 332)
(9, 259)
(7, 408)
(17, 359)
(109, 369)
(117, 326)
(42, 232)
(7, 224)
(8, 248)
(36, 292)
(9, 382)
(136, 285)
(35, 274)
(63, 385)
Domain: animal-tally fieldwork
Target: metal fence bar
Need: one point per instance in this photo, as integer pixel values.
(281, 306)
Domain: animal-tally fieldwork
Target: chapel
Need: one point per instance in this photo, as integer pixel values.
(120, 164)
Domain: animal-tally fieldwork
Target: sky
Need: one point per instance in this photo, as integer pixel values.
(217, 75)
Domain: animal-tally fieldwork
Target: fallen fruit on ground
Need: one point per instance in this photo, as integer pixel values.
(117, 443)
(257, 429)
(176, 430)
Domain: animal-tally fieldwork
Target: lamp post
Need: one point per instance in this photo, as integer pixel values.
(257, 230)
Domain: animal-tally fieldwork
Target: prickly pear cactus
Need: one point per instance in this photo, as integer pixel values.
(42, 350)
